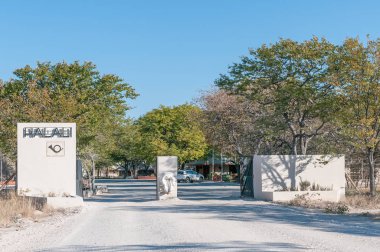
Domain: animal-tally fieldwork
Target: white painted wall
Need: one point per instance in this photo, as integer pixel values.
(40, 171)
(276, 172)
(166, 168)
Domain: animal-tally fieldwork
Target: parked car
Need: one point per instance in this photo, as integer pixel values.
(189, 176)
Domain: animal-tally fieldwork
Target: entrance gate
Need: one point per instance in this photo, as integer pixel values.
(246, 177)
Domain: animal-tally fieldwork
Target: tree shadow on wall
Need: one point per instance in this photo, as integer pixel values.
(293, 166)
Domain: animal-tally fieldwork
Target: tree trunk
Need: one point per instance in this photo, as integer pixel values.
(125, 169)
(134, 168)
(371, 160)
(93, 174)
(304, 141)
(293, 158)
(294, 146)
(213, 163)
(292, 172)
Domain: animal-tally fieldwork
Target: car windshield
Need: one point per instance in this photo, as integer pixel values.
(180, 172)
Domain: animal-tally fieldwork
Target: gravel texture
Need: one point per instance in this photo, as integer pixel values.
(206, 217)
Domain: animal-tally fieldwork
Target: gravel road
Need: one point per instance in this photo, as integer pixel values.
(206, 217)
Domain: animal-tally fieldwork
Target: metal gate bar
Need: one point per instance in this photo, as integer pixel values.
(246, 177)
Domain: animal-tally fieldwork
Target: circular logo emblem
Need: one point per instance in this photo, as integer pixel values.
(56, 148)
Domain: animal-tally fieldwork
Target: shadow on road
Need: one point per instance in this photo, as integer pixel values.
(255, 211)
(126, 190)
(237, 246)
(143, 191)
(221, 201)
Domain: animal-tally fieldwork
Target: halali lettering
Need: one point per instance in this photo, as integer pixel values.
(47, 132)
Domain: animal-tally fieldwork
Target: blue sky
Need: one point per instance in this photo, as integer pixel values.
(168, 50)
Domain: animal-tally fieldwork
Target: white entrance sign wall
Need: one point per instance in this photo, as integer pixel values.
(166, 177)
(274, 175)
(46, 159)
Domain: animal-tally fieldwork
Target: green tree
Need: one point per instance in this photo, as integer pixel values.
(16, 108)
(129, 150)
(358, 78)
(173, 131)
(65, 93)
(290, 81)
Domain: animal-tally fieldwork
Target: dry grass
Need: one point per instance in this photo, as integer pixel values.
(19, 211)
(353, 202)
(13, 208)
(328, 207)
(363, 201)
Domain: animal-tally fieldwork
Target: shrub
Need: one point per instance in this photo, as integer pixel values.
(338, 208)
(304, 185)
(299, 200)
(226, 178)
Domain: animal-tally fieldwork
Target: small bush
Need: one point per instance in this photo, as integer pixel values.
(307, 201)
(299, 200)
(304, 185)
(339, 208)
(226, 178)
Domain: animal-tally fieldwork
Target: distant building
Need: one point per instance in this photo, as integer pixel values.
(205, 166)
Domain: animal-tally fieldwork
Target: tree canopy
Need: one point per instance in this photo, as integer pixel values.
(290, 81)
(64, 93)
(173, 131)
(358, 79)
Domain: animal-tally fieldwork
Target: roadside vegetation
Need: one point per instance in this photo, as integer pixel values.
(16, 210)
(356, 203)
(363, 201)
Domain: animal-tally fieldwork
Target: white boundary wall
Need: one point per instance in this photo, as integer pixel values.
(46, 161)
(273, 173)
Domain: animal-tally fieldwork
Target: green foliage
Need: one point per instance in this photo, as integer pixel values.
(358, 76)
(65, 93)
(312, 95)
(290, 82)
(173, 131)
(226, 178)
(129, 148)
